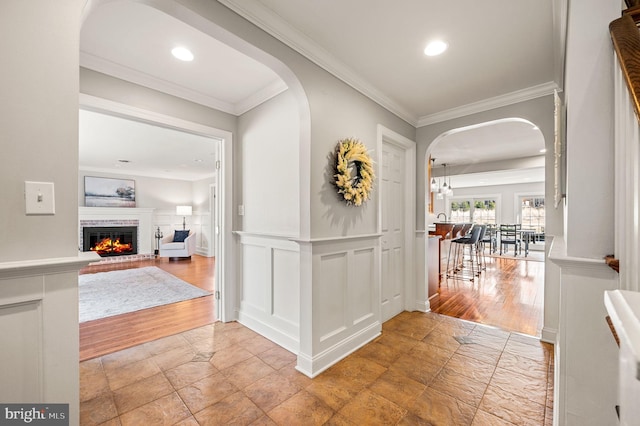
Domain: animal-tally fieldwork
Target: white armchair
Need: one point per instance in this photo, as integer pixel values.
(178, 249)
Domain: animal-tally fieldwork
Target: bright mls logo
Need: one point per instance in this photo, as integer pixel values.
(34, 414)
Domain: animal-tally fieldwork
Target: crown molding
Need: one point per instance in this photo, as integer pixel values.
(491, 103)
(260, 96)
(273, 24)
(105, 66)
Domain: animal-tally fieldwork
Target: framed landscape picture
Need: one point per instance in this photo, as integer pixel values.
(108, 192)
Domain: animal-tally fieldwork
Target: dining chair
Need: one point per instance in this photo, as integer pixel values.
(490, 238)
(510, 235)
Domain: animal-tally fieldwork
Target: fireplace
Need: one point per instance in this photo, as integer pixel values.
(110, 241)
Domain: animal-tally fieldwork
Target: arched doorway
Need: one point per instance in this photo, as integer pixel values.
(232, 167)
(492, 173)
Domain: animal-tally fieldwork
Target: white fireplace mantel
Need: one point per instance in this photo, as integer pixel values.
(144, 216)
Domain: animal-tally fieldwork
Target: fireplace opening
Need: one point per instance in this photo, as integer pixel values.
(110, 241)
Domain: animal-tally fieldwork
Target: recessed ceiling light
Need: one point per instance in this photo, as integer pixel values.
(182, 53)
(435, 48)
(543, 150)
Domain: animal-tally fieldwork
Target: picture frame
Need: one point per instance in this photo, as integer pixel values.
(109, 192)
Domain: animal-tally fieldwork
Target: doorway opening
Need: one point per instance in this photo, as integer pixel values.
(491, 175)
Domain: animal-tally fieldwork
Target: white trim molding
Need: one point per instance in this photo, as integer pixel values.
(40, 338)
(584, 341)
(269, 288)
(340, 306)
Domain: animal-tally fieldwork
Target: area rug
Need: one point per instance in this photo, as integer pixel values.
(106, 294)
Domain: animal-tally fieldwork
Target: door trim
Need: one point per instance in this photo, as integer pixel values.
(225, 259)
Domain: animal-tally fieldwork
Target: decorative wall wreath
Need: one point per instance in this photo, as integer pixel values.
(353, 171)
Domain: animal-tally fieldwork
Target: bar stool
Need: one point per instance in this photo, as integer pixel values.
(470, 241)
(482, 261)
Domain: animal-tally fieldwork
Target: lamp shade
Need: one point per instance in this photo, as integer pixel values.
(183, 210)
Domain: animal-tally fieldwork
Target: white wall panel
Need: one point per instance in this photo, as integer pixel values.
(269, 291)
(345, 302)
(39, 354)
(256, 273)
(286, 297)
(330, 295)
(361, 295)
(20, 359)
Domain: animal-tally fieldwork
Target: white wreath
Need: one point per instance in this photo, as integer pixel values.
(352, 156)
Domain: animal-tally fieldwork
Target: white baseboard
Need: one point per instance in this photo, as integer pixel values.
(549, 335)
(279, 337)
(312, 366)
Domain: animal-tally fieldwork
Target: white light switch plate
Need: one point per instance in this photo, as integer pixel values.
(39, 198)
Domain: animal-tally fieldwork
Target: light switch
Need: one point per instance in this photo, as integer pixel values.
(39, 198)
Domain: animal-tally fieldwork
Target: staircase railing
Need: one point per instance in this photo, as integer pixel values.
(626, 41)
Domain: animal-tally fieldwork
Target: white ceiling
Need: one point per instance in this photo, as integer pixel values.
(500, 52)
(136, 148)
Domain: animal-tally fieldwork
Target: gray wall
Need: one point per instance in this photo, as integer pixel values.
(331, 109)
(39, 125)
(268, 145)
(158, 193)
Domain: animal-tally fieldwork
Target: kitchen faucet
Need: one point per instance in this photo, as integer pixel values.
(445, 216)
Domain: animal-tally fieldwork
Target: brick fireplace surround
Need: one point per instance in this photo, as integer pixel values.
(117, 216)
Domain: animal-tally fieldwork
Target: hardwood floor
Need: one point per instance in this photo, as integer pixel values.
(107, 335)
(508, 294)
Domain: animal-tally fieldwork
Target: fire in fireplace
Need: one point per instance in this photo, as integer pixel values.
(110, 241)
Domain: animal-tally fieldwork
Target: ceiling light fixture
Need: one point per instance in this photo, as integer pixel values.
(182, 53)
(434, 184)
(543, 150)
(435, 48)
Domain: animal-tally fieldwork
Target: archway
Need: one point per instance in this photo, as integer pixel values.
(493, 171)
(227, 267)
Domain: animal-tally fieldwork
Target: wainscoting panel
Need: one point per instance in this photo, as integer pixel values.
(256, 277)
(421, 273)
(330, 294)
(286, 297)
(20, 357)
(361, 293)
(345, 301)
(269, 294)
(39, 355)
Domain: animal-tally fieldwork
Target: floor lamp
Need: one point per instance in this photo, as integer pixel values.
(184, 211)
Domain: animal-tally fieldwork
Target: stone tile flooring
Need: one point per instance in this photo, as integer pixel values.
(425, 369)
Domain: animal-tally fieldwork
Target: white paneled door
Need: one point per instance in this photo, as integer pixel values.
(393, 250)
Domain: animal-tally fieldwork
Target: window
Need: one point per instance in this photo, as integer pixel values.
(532, 213)
(484, 211)
(476, 210)
(461, 211)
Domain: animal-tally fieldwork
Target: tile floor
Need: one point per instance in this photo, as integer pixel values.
(425, 369)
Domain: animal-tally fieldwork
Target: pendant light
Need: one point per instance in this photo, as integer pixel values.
(434, 184)
(445, 187)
